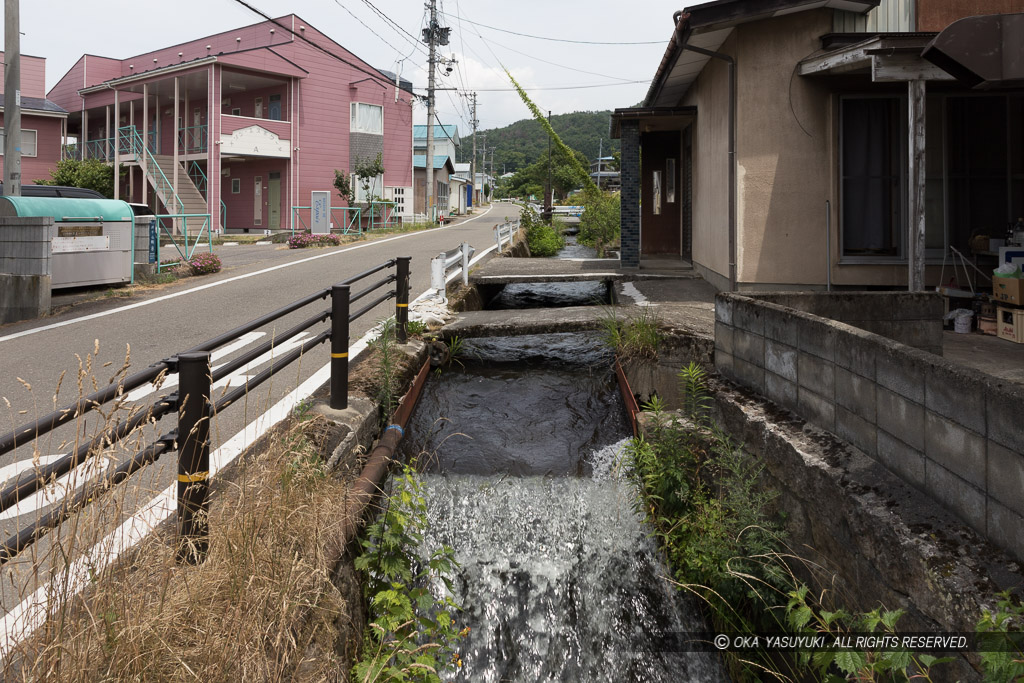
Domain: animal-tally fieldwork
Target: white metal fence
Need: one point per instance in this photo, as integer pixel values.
(446, 263)
(505, 233)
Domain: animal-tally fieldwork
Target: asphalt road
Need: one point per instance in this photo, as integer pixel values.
(37, 357)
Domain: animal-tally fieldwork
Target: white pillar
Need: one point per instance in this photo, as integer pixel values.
(106, 134)
(145, 142)
(117, 147)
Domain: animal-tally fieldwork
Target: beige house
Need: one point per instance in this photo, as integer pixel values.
(790, 144)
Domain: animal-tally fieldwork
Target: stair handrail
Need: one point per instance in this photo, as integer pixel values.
(195, 172)
(137, 143)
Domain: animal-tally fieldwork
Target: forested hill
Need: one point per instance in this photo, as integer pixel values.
(524, 142)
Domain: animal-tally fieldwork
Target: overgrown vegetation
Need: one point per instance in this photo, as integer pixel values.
(262, 607)
(412, 632)
(600, 224)
(712, 517)
(542, 238)
(632, 338)
(92, 174)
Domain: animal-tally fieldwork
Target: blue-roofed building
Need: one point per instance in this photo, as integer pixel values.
(443, 169)
(446, 140)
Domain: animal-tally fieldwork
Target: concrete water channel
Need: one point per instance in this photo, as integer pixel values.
(558, 577)
(522, 441)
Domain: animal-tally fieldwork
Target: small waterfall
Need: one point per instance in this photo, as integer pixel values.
(558, 578)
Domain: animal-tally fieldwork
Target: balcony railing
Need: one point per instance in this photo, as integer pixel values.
(192, 140)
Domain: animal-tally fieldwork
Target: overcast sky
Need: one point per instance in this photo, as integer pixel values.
(62, 30)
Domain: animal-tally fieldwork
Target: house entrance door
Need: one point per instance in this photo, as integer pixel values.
(661, 195)
(274, 202)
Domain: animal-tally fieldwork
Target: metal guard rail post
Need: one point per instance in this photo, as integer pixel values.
(191, 439)
(443, 263)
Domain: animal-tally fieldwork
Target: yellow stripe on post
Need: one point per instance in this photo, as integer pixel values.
(193, 478)
(401, 305)
(339, 355)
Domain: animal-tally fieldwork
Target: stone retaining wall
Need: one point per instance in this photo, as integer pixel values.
(953, 433)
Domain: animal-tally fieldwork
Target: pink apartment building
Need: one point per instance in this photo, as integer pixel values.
(42, 122)
(242, 125)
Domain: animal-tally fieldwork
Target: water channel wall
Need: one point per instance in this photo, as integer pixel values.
(950, 432)
(25, 267)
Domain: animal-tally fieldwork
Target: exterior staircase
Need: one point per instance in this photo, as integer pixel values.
(192, 200)
(159, 172)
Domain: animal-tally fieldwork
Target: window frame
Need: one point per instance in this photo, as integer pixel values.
(900, 257)
(35, 142)
(353, 118)
(236, 186)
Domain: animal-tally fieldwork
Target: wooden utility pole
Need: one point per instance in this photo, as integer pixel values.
(12, 98)
(916, 92)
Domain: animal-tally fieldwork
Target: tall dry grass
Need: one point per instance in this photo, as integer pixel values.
(266, 605)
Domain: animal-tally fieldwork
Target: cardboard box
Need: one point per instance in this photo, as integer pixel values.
(1010, 324)
(1008, 290)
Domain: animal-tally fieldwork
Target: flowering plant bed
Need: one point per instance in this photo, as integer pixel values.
(305, 239)
(200, 264)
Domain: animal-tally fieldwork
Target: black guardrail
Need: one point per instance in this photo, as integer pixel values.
(191, 438)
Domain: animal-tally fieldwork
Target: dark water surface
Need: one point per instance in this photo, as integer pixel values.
(558, 578)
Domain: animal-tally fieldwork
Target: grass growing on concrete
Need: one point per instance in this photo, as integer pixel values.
(633, 338)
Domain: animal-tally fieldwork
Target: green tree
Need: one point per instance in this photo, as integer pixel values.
(91, 174)
(366, 171)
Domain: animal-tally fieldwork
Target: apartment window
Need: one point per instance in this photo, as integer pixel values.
(367, 118)
(236, 186)
(373, 191)
(28, 142)
(236, 111)
(871, 130)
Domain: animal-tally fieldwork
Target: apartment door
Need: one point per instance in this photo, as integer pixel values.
(274, 111)
(274, 202)
(259, 108)
(257, 200)
(660, 212)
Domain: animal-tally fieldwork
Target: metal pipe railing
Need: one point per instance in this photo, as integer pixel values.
(196, 408)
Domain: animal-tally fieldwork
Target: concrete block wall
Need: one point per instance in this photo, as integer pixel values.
(911, 318)
(954, 433)
(25, 267)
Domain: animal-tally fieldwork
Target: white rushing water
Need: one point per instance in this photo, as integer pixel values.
(559, 580)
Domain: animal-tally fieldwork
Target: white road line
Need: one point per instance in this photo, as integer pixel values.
(31, 613)
(172, 379)
(211, 285)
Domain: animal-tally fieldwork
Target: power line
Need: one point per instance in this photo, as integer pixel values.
(562, 66)
(562, 40)
(561, 87)
(367, 26)
(373, 76)
(410, 37)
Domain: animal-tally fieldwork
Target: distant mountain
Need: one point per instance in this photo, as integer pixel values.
(522, 143)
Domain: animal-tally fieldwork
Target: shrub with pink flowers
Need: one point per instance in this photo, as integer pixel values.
(201, 264)
(305, 239)
(204, 264)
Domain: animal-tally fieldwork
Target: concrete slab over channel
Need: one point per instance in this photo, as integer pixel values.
(503, 271)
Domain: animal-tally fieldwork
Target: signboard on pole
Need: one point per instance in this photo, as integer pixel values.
(320, 223)
(152, 241)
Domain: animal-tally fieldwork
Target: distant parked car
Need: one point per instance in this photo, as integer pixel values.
(33, 190)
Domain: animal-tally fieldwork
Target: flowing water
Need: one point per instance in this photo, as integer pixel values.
(549, 295)
(558, 578)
